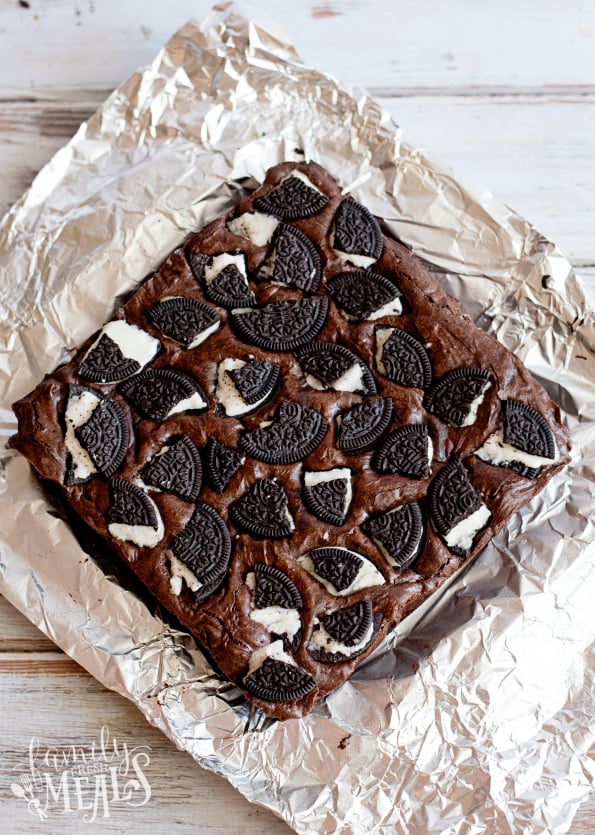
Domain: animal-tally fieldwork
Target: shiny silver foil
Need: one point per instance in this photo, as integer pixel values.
(475, 716)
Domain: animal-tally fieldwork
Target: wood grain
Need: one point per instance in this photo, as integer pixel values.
(505, 92)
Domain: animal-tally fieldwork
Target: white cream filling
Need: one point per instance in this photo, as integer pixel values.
(279, 620)
(300, 176)
(134, 343)
(473, 409)
(495, 450)
(145, 536)
(314, 477)
(367, 576)
(463, 534)
(351, 380)
(430, 452)
(391, 308)
(227, 393)
(219, 262)
(256, 226)
(194, 402)
(274, 651)
(323, 641)
(181, 573)
(78, 412)
(382, 334)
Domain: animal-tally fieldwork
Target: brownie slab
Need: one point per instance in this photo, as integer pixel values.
(293, 436)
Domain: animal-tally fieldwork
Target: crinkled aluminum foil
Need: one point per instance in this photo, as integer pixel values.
(477, 716)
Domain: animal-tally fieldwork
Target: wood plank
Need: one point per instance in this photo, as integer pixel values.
(451, 45)
(17, 634)
(506, 143)
(70, 709)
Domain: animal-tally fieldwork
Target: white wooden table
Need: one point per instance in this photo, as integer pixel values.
(504, 91)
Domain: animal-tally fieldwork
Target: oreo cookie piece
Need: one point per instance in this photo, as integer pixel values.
(272, 587)
(282, 326)
(97, 435)
(362, 426)
(398, 534)
(402, 358)
(221, 463)
(406, 451)
(273, 676)
(457, 509)
(177, 469)
(295, 432)
(204, 549)
(263, 511)
(456, 397)
(226, 281)
(327, 365)
(132, 515)
(276, 603)
(244, 385)
(363, 295)
(161, 392)
(185, 320)
(294, 261)
(198, 261)
(327, 494)
(356, 235)
(523, 442)
(340, 570)
(295, 197)
(344, 634)
(119, 351)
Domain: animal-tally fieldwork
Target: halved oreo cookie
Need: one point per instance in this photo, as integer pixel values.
(278, 681)
(282, 326)
(294, 261)
(457, 509)
(255, 380)
(344, 634)
(523, 442)
(457, 395)
(525, 429)
(331, 366)
(226, 282)
(263, 511)
(161, 392)
(291, 436)
(362, 426)
(327, 494)
(177, 469)
(106, 363)
(402, 358)
(185, 320)
(295, 197)
(222, 462)
(204, 546)
(120, 351)
(340, 570)
(361, 295)
(132, 515)
(398, 534)
(405, 451)
(274, 588)
(104, 435)
(356, 235)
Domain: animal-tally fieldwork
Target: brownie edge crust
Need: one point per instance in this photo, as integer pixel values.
(293, 436)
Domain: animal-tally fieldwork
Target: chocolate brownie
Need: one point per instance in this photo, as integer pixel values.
(293, 436)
